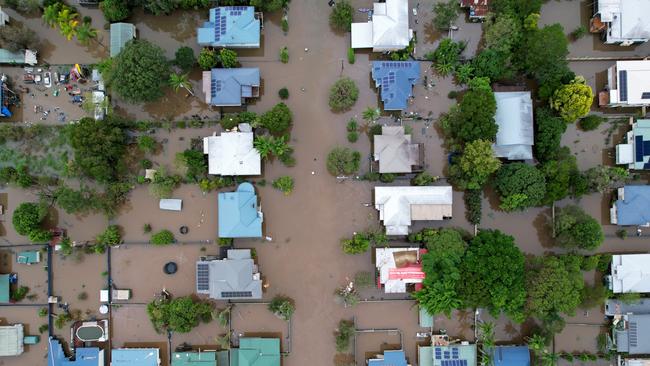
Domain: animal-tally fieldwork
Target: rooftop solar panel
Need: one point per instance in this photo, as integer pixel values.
(622, 85)
(202, 277)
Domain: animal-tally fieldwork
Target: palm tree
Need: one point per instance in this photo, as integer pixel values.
(51, 14)
(177, 81)
(370, 114)
(264, 145)
(66, 18)
(279, 146)
(549, 358)
(86, 33)
(537, 343)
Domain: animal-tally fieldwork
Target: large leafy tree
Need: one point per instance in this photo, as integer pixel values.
(548, 134)
(341, 16)
(278, 119)
(562, 176)
(575, 229)
(269, 5)
(343, 161)
(543, 49)
(493, 274)
(475, 165)
(98, 148)
(573, 100)
(503, 33)
(343, 94)
(520, 186)
(555, 285)
(445, 14)
(27, 220)
(473, 119)
(493, 64)
(178, 315)
(115, 10)
(139, 72)
(441, 266)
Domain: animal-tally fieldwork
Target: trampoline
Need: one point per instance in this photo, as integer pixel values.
(170, 268)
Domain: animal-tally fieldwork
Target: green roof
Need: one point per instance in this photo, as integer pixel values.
(121, 33)
(208, 358)
(4, 288)
(256, 352)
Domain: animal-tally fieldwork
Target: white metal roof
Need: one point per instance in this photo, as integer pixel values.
(630, 273)
(637, 82)
(398, 206)
(171, 204)
(11, 340)
(388, 30)
(627, 19)
(361, 35)
(514, 117)
(232, 153)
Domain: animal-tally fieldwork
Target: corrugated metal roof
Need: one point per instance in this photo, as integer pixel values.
(514, 117)
(230, 26)
(11, 340)
(395, 80)
(121, 33)
(239, 216)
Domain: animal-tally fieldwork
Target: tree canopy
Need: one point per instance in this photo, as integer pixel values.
(548, 134)
(140, 71)
(493, 274)
(184, 58)
(343, 94)
(178, 315)
(278, 119)
(343, 161)
(575, 229)
(555, 285)
(27, 220)
(519, 186)
(573, 100)
(473, 119)
(115, 10)
(445, 14)
(561, 175)
(341, 16)
(475, 165)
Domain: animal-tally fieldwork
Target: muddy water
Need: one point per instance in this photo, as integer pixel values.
(34, 276)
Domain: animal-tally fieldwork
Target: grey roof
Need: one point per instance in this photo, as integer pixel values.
(618, 307)
(11, 340)
(635, 339)
(121, 34)
(515, 120)
(394, 150)
(235, 277)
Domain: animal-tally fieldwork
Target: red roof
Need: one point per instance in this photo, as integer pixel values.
(478, 8)
(410, 272)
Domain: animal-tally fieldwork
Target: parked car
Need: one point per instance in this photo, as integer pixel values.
(47, 79)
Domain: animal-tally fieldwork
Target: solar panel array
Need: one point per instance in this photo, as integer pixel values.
(453, 354)
(453, 363)
(645, 95)
(219, 24)
(634, 337)
(396, 64)
(202, 277)
(387, 80)
(236, 294)
(622, 85)
(217, 85)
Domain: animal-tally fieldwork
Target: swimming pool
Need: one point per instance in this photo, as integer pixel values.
(90, 332)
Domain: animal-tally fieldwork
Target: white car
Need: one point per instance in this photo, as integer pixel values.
(47, 80)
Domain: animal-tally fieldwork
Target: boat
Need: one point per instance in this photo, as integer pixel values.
(47, 79)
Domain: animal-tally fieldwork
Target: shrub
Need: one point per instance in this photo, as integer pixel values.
(351, 56)
(353, 136)
(591, 122)
(283, 93)
(359, 243)
(352, 125)
(579, 32)
(163, 237)
(576, 229)
(284, 55)
(282, 306)
(363, 279)
(146, 164)
(343, 161)
(341, 16)
(387, 177)
(111, 236)
(445, 14)
(225, 242)
(228, 58)
(229, 121)
(473, 205)
(19, 294)
(423, 179)
(343, 94)
(208, 59)
(285, 25)
(278, 119)
(452, 94)
(343, 334)
(146, 228)
(82, 296)
(621, 233)
(42, 312)
(115, 10)
(185, 58)
(284, 184)
(590, 263)
(447, 56)
(146, 143)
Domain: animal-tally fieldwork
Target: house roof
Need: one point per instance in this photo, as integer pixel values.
(630, 273)
(135, 357)
(395, 276)
(227, 87)
(635, 338)
(256, 352)
(633, 206)
(121, 33)
(170, 204)
(514, 117)
(394, 150)
(11, 340)
(510, 356)
(84, 356)
(390, 358)
(477, 8)
(205, 358)
(619, 307)
(398, 206)
(232, 153)
(454, 355)
(388, 29)
(629, 82)
(230, 26)
(28, 257)
(395, 80)
(626, 20)
(4, 288)
(239, 216)
(20, 57)
(425, 319)
(235, 277)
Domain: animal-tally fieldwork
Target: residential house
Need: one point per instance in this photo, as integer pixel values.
(621, 22)
(232, 153)
(83, 356)
(614, 307)
(389, 358)
(632, 206)
(394, 152)
(399, 269)
(135, 357)
(256, 352)
(635, 151)
(121, 34)
(200, 358)
(234, 277)
(5, 292)
(478, 9)
(239, 216)
(624, 361)
(11, 340)
(399, 206)
(514, 117)
(387, 31)
(231, 26)
(231, 87)
(442, 352)
(630, 273)
(425, 320)
(510, 356)
(395, 81)
(631, 333)
(628, 84)
(20, 57)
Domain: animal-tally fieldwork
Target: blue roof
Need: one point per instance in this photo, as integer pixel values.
(229, 86)
(391, 358)
(395, 80)
(238, 213)
(634, 209)
(83, 356)
(230, 26)
(511, 356)
(135, 357)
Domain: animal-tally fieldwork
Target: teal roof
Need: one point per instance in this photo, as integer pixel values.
(121, 33)
(425, 356)
(4, 288)
(230, 26)
(208, 358)
(390, 358)
(8, 57)
(238, 213)
(28, 257)
(135, 357)
(465, 354)
(256, 352)
(425, 319)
